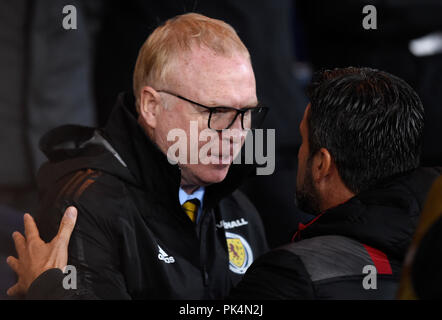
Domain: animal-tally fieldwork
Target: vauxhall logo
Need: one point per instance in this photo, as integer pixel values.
(232, 224)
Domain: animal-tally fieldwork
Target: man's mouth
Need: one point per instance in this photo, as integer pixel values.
(221, 158)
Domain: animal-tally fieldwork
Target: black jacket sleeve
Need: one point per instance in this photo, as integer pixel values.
(49, 286)
(94, 251)
(278, 274)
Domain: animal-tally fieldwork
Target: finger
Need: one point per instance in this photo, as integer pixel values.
(20, 243)
(31, 230)
(13, 263)
(67, 224)
(15, 290)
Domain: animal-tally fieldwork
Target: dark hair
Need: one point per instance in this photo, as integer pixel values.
(370, 121)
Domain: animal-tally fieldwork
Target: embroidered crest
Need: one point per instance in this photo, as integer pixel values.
(240, 253)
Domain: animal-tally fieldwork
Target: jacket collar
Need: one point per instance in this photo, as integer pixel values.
(384, 217)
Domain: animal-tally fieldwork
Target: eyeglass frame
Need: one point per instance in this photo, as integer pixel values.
(211, 110)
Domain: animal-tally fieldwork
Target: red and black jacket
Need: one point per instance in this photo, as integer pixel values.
(326, 259)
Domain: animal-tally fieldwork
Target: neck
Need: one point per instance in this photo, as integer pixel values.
(336, 198)
(188, 187)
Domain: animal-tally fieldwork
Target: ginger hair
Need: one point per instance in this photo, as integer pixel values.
(178, 36)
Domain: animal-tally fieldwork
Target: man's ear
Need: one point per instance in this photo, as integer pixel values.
(322, 164)
(149, 105)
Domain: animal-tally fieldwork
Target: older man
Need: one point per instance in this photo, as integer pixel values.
(147, 228)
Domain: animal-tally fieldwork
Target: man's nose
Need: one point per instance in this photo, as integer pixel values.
(233, 135)
(237, 124)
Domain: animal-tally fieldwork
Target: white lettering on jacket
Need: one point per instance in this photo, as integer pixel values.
(162, 255)
(232, 224)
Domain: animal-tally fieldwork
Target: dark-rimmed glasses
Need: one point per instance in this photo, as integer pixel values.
(222, 118)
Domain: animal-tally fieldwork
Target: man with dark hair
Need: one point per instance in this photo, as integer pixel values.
(358, 173)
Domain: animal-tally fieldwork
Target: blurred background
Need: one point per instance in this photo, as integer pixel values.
(50, 76)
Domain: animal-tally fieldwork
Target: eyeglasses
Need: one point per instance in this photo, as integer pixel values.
(222, 118)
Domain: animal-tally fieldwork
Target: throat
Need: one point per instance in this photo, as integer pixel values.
(188, 188)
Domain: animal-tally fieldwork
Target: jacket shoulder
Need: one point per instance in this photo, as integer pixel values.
(101, 198)
(333, 256)
(278, 274)
(88, 186)
(338, 265)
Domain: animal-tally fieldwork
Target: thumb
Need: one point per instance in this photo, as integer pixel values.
(67, 224)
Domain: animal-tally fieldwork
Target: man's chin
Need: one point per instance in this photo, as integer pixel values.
(307, 203)
(213, 173)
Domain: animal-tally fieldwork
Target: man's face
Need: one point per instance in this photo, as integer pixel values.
(307, 196)
(211, 80)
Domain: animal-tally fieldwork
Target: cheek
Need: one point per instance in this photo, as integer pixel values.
(301, 165)
(166, 123)
(301, 152)
(299, 176)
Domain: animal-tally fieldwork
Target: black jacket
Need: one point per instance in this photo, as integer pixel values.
(328, 256)
(132, 238)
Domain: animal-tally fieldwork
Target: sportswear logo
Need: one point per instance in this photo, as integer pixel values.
(240, 253)
(232, 224)
(162, 255)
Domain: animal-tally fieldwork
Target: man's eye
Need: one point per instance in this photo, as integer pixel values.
(220, 110)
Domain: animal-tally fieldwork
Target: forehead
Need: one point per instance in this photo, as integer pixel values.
(207, 76)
